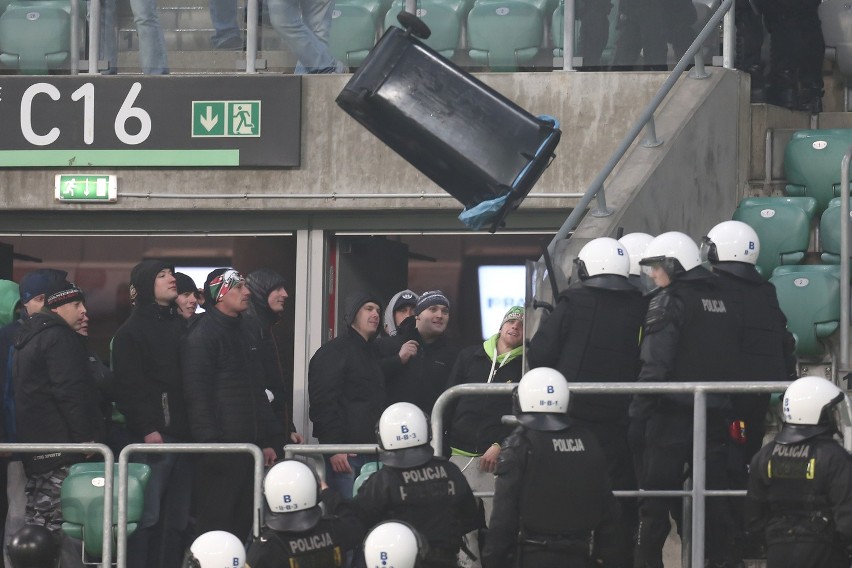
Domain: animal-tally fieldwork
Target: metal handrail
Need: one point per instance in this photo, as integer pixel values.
(699, 491)
(646, 117)
(844, 261)
(109, 462)
(123, 460)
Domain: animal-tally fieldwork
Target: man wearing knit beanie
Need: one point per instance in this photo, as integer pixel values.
(347, 389)
(266, 306)
(187, 298)
(417, 361)
(400, 308)
(54, 400)
(149, 392)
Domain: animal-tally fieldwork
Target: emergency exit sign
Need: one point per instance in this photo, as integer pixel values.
(82, 188)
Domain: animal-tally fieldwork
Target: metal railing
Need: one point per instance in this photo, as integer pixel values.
(109, 462)
(844, 262)
(698, 492)
(123, 460)
(646, 118)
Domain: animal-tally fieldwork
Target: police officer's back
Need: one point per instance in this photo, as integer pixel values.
(552, 490)
(800, 485)
(430, 493)
(297, 534)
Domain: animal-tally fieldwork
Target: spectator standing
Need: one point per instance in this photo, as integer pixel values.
(475, 428)
(346, 389)
(415, 487)
(187, 298)
(306, 27)
(223, 385)
(552, 491)
(32, 296)
(417, 361)
(266, 305)
(149, 392)
(400, 308)
(153, 56)
(55, 399)
(688, 308)
(593, 336)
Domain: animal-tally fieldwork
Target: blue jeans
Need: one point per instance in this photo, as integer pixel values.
(223, 16)
(305, 25)
(152, 42)
(344, 482)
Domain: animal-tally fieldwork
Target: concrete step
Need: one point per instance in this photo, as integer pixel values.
(211, 61)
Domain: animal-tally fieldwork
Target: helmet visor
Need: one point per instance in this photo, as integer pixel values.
(707, 251)
(656, 273)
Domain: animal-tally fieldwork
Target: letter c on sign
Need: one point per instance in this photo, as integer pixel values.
(26, 114)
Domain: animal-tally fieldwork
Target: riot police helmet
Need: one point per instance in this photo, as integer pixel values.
(215, 549)
(732, 247)
(604, 263)
(292, 492)
(667, 257)
(635, 243)
(808, 409)
(33, 546)
(403, 434)
(541, 400)
(394, 543)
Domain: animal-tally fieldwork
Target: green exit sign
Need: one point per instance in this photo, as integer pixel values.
(83, 188)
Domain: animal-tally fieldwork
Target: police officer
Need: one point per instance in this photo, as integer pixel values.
(416, 487)
(635, 245)
(296, 533)
(215, 549)
(34, 546)
(552, 489)
(593, 336)
(800, 486)
(690, 335)
(394, 543)
(766, 347)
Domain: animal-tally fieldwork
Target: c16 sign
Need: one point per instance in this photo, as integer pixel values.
(97, 121)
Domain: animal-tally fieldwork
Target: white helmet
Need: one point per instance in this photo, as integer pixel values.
(807, 409)
(635, 243)
(403, 434)
(215, 549)
(292, 491)
(394, 544)
(731, 241)
(606, 262)
(541, 400)
(674, 252)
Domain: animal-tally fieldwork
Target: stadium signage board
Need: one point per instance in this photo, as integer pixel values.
(150, 121)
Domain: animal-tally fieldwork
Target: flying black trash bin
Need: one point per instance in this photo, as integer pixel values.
(473, 142)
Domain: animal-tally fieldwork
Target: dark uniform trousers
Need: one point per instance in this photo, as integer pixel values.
(800, 498)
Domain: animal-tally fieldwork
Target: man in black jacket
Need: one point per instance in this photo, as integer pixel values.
(800, 485)
(347, 390)
(223, 385)
(266, 305)
(149, 392)
(417, 361)
(55, 398)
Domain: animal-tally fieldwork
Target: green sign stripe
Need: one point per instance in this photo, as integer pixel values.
(86, 158)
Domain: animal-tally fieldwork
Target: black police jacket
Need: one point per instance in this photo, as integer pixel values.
(56, 399)
(551, 487)
(801, 492)
(146, 363)
(592, 336)
(434, 498)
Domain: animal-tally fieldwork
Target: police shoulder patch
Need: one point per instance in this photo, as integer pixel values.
(657, 311)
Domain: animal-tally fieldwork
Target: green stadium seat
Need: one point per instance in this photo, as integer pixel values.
(82, 501)
(783, 225)
(829, 233)
(812, 163)
(809, 295)
(443, 17)
(35, 37)
(367, 470)
(504, 35)
(354, 30)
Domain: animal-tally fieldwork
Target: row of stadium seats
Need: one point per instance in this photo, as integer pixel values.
(35, 35)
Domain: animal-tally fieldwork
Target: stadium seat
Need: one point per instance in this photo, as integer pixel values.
(829, 233)
(367, 470)
(836, 19)
(504, 35)
(443, 17)
(35, 37)
(783, 225)
(353, 31)
(82, 501)
(812, 163)
(809, 295)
